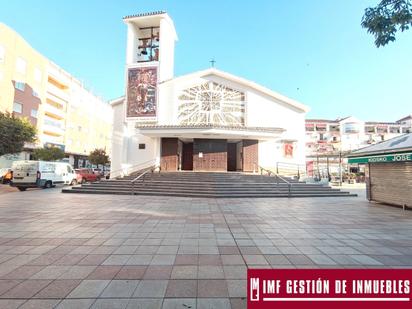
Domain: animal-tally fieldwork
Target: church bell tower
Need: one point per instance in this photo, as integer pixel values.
(151, 39)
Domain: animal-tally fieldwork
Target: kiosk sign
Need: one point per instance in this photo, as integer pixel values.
(398, 157)
(329, 288)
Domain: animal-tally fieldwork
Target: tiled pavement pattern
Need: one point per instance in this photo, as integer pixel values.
(91, 251)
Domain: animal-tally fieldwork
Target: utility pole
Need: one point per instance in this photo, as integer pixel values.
(340, 168)
(327, 166)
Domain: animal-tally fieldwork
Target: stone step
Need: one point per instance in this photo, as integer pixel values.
(199, 184)
(200, 176)
(212, 190)
(202, 184)
(210, 195)
(206, 181)
(236, 189)
(192, 184)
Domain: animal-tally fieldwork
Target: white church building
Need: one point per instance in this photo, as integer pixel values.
(204, 121)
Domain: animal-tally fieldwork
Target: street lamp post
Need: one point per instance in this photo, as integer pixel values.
(340, 168)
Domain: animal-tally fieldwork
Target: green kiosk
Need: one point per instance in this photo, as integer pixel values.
(388, 170)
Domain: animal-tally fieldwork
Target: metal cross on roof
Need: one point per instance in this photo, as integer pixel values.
(212, 62)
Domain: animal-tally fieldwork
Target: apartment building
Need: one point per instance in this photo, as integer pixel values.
(328, 141)
(406, 121)
(61, 108)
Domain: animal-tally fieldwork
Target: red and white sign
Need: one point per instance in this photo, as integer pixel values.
(329, 288)
(288, 150)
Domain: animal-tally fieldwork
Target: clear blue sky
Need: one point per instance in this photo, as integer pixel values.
(314, 51)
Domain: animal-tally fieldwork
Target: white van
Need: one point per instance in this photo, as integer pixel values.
(32, 174)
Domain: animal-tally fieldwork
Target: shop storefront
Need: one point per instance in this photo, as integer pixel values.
(388, 170)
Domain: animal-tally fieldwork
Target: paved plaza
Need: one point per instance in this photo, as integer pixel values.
(105, 251)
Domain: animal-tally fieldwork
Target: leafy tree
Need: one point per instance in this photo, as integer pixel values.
(14, 133)
(48, 154)
(388, 17)
(98, 156)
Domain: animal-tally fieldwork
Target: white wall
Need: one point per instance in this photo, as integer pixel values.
(166, 105)
(263, 111)
(166, 50)
(118, 138)
(126, 155)
(136, 156)
(131, 47)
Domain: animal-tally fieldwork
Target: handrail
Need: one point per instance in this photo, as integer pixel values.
(121, 169)
(133, 166)
(149, 169)
(277, 176)
(290, 164)
(288, 183)
(262, 169)
(270, 172)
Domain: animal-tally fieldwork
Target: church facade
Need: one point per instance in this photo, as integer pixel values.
(204, 121)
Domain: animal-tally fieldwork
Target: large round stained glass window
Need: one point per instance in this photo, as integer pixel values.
(211, 103)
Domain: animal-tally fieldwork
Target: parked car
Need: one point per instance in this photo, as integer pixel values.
(107, 173)
(5, 175)
(86, 175)
(98, 171)
(43, 174)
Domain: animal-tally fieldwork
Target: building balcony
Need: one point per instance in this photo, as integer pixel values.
(54, 112)
(57, 92)
(53, 127)
(49, 137)
(56, 100)
(58, 77)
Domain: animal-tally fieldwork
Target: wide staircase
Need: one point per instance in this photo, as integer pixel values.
(207, 184)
